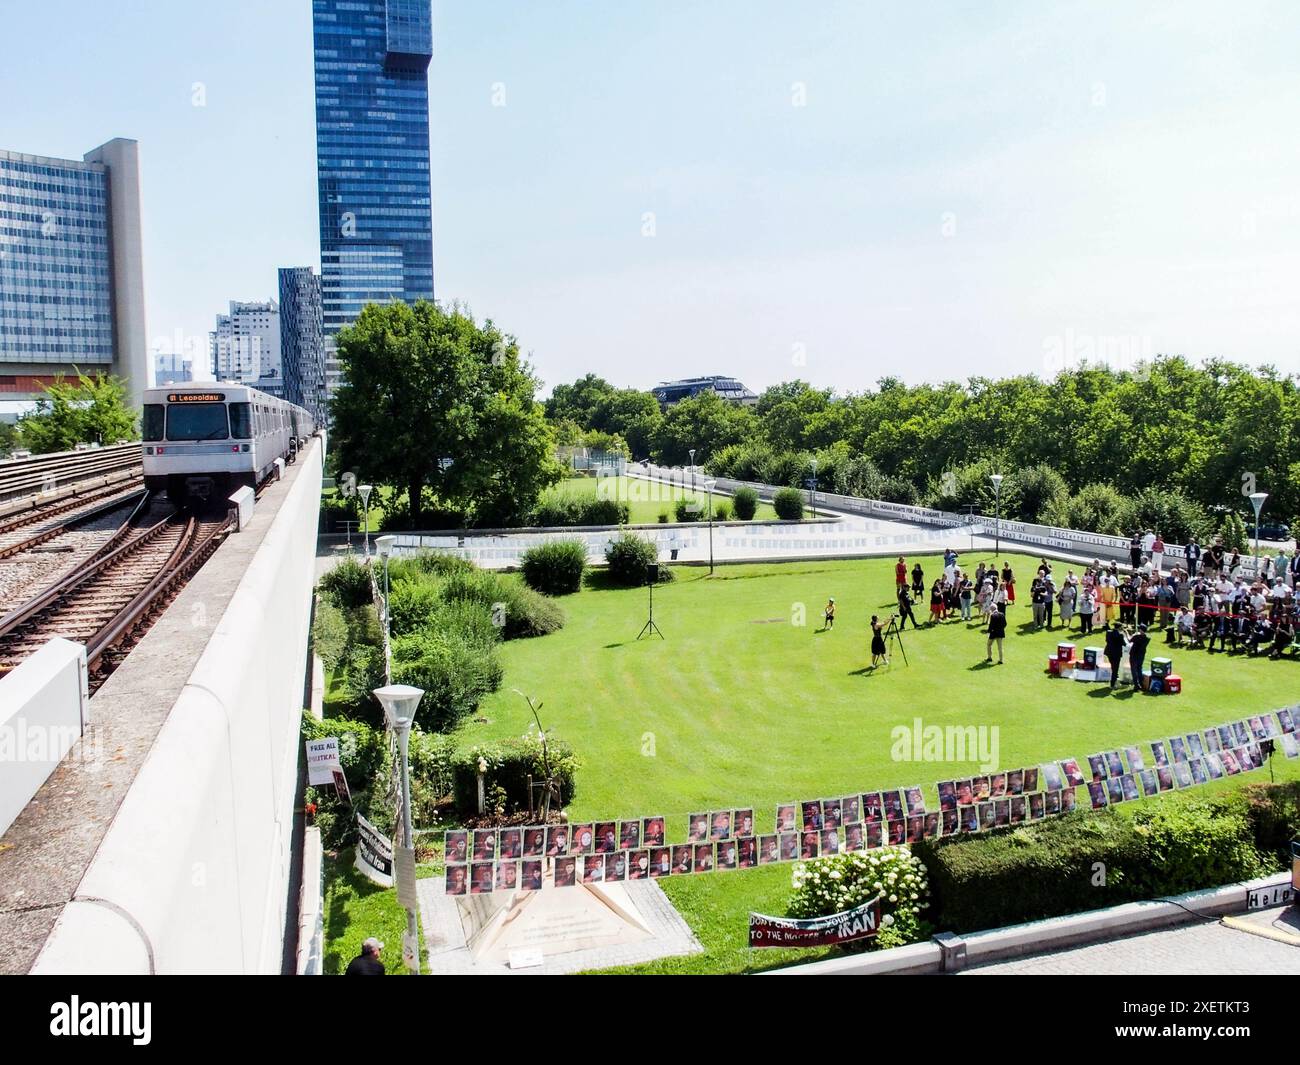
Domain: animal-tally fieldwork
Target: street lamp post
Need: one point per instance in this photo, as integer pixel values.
(813, 495)
(364, 491)
(385, 545)
(709, 486)
(399, 702)
(1257, 501)
(996, 478)
(692, 454)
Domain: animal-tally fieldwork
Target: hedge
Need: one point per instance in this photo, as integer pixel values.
(746, 503)
(1090, 860)
(347, 584)
(788, 503)
(555, 568)
(509, 763)
(628, 557)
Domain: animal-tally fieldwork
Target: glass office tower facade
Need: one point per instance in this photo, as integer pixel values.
(302, 349)
(372, 156)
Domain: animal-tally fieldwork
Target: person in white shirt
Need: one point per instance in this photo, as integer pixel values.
(1148, 542)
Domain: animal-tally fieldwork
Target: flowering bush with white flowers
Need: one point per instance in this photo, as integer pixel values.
(840, 882)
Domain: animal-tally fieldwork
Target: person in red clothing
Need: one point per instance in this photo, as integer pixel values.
(900, 573)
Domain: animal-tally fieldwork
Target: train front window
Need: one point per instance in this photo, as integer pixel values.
(241, 421)
(196, 421)
(151, 427)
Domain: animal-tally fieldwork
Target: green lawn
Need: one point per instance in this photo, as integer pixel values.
(743, 706)
(646, 499)
(738, 706)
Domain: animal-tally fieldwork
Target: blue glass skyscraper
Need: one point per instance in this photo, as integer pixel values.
(372, 156)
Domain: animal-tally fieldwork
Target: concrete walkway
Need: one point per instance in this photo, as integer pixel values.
(1201, 948)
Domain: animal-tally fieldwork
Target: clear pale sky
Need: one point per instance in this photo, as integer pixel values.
(839, 190)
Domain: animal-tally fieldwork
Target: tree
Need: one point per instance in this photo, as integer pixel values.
(579, 400)
(93, 411)
(705, 422)
(431, 399)
(632, 414)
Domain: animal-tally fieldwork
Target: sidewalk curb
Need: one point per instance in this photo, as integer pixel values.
(1040, 937)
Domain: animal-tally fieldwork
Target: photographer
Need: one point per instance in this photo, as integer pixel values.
(905, 608)
(878, 651)
(997, 630)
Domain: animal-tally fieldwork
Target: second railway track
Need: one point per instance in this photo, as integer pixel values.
(114, 595)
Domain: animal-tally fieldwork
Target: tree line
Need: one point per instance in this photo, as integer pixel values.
(1168, 443)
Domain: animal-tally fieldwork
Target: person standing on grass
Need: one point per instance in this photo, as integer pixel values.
(1135, 551)
(1157, 553)
(1049, 600)
(1193, 552)
(918, 581)
(830, 614)
(1009, 582)
(1114, 651)
(905, 609)
(900, 574)
(1067, 597)
(936, 601)
(879, 653)
(1137, 654)
(966, 593)
(997, 632)
(1087, 607)
(1038, 599)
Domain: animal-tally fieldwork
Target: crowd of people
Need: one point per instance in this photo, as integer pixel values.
(1205, 599)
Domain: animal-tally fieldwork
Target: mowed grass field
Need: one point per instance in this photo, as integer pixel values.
(646, 499)
(745, 703)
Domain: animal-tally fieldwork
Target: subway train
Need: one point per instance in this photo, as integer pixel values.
(203, 440)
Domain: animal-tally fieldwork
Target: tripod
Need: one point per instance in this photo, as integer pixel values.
(892, 633)
(650, 628)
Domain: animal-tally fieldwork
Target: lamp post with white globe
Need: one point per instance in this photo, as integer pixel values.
(400, 702)
(996, 478)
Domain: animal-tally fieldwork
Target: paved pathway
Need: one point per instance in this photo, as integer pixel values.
(1200, 948)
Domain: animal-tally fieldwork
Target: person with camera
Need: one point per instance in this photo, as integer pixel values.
(879, 653)
(905, 608)
(997, 631)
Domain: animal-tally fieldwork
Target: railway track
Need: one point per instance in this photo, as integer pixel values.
(16, 529)
(36, 528)
(113, 597)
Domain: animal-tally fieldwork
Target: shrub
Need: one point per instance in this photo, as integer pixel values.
(558, 510)
(1167, 510)
(1094, 508)
(746, 503)
(569, 510)
(329, 634)
(788, 503)
(840, 882)
(520, 611)
(1273, 811)
(347, 584)
(628, 557)
(600, 511)
(1048, 868)
(411, 604)
(454, 667)
(1233, 531)
(663, 517)
(509, 764)
(688, 508)
(722, 511)
(899, 490)
(555, 568)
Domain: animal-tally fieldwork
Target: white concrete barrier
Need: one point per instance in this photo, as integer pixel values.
(42, 714)
(242, 501)
(196, 861)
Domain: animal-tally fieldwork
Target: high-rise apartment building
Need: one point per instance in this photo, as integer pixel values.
(245, 346)
(372, 156)
(71, 270)
(302, 341)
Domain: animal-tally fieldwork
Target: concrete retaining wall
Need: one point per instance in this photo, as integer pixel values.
(42, 714)
(193, 874)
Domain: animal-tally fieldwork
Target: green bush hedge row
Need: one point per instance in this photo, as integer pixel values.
(788, 503)
(509, 763)
(564, 510)
(1089, 860)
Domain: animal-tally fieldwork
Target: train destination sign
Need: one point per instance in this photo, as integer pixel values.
(196, 397)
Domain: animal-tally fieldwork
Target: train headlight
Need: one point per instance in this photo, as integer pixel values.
(148, 451)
